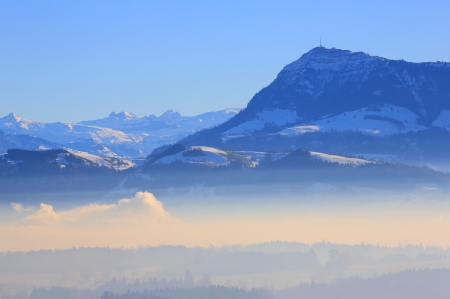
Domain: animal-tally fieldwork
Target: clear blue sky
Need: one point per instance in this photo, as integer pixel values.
(78, 60)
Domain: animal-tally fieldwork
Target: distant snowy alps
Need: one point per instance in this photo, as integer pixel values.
(120, 134)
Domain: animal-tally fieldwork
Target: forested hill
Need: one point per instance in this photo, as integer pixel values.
(58, 170)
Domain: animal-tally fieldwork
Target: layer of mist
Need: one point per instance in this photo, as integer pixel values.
(203, 240)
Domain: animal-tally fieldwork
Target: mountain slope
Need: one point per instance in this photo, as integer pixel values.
(332, 95)
(58, 170)
(259, 172)
(27, 142)
(332, 81)
(325, 83)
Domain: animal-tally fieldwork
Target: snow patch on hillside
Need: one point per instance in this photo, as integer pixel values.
(265, 118)
(378, 121)
(298, 130)
(113, 163)
(209, 155)
(258, 156)
(339, 159)
(93, 158)
(378, 157)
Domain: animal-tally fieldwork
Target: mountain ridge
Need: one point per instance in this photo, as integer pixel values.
(333, 90)
(330, 94)
(122, 134)
(321, 75)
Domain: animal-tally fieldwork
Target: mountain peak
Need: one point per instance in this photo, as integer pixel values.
(169, 114)
(333, 81)
(331, 59)
(332, 51)
(124, 115)
(12, 117)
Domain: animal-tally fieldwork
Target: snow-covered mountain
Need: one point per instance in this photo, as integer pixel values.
(325, 83)
(119, 134)
(217, 157)
(379, 120)
(346, 94)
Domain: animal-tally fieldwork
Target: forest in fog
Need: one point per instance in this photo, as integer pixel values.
(265, 270)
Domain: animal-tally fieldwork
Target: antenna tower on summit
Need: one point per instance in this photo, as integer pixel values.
(321, 41)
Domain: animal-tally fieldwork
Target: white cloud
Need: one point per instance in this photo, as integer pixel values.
(142, 207)
(137, 221)
(20, 208)
(45, 214)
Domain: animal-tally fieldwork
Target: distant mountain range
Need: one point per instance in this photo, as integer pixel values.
(120, 134)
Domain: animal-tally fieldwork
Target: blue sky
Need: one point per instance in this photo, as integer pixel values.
(78, 60)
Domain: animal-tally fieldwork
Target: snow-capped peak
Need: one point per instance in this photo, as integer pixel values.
(13, 120)
(12, 117)
(124, 115)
